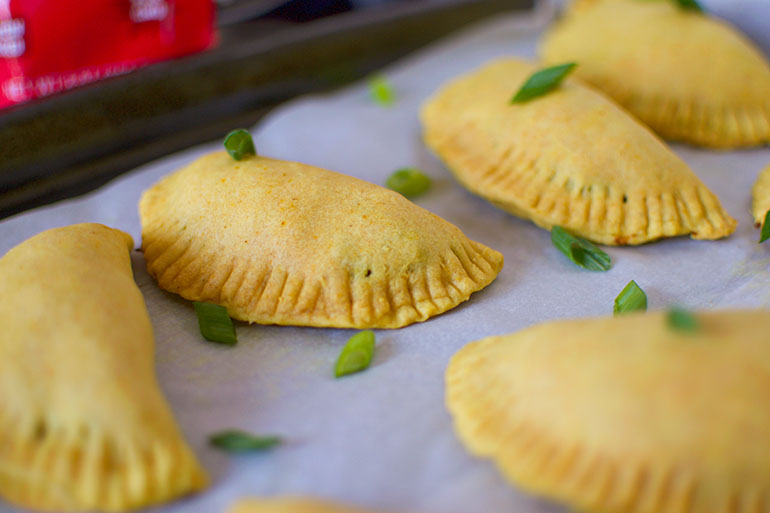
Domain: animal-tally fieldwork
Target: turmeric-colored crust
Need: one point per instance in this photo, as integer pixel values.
(761, 196)
(570, 158)
(83, 424)
(689, 76)
(279, 242)
(289, 505)
(620, 415)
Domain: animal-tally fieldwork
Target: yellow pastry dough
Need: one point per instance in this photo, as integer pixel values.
(570, 158)
(286, 243)
(687, 75)
(624, 414)
(761, 196)
(289, 505)
(83, 424)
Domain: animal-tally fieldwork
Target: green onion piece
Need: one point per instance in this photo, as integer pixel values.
(631, 299)
(408, 181)
(543, 81)
(381, 91)
(580, 251)
(239, 144)
(214, 323)
(356, 355)
(680, 319)
(690, 5)
(765, 229)
(240, 441)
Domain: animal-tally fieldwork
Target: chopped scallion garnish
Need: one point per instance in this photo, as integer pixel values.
(542, 82)
(240, 441)
(356, 355)
(381, 91)
(580, 251)
(631, 299)
(408, 181)
(680, 319)
(690, 5)
(214, 323)
(765, 234)
(239, 144)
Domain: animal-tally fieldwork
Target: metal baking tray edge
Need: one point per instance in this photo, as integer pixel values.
(72, 143)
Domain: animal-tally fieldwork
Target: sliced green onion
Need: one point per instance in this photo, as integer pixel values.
(542, 82)
(765, 234)
(690, 5)
(580, 251)
(214, 323)
(408, 181)
(381, 91)
(240, 441)
(680, 319)
(356, 355)
(239, 144)
(631, 299)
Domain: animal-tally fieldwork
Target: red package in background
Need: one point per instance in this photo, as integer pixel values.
(47, 46)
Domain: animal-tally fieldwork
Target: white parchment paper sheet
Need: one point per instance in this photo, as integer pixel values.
(382, 439)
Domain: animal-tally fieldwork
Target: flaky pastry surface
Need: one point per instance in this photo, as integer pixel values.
(281, 242)
(570, 158)
(624, 414)
(83, 424)
(689, 76)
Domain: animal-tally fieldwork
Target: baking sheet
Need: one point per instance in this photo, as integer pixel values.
(382, 439)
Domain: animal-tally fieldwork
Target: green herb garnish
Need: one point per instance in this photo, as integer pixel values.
(214, 323)
(240, 441)
(680, 319)
(765, 234)
(631, 299)
(356, 355)
(543, 81)
(408, 181)
(580, 251)
(690, 5)
(381, 91)
(239, 144)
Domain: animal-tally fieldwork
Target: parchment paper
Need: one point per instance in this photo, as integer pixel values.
(382, 439)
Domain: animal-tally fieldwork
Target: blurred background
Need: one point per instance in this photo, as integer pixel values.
(94, 88)
(90, 89)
